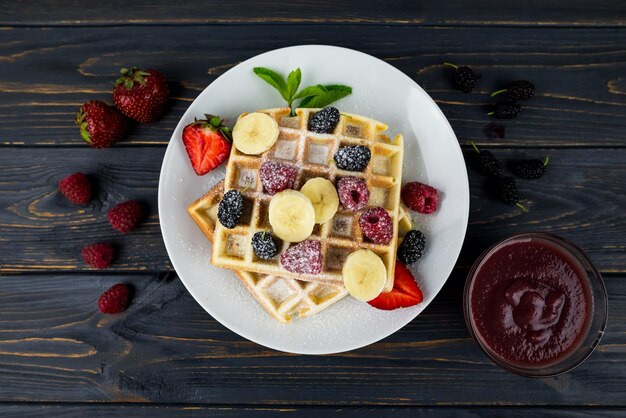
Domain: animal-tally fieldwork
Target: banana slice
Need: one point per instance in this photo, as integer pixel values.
(322, 193)
(404, 221)
(255, 133)
(291, 215)
(364, 275)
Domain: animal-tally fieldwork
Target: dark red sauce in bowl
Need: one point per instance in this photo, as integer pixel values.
(535, 304)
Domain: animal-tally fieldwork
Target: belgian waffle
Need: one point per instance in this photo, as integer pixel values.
(281, 297)
(312, 154)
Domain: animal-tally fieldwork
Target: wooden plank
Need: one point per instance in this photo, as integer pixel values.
(55, 346)
(581, 198)
(46, 73)
(456, 12)
(126, 410)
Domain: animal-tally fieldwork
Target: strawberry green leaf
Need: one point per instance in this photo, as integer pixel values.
(215, 121)
(273, 79)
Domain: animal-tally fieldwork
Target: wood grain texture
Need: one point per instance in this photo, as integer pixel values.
(47, 73)
(55, 346)
(455, 12)
(581, 198)
(132, 410)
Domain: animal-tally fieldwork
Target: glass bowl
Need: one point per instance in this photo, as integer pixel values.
(597, 315)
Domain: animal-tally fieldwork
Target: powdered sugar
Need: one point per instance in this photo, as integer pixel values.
(277, 177)
(353, 193)
(305, 257)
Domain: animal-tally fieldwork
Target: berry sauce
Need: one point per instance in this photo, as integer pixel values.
(530, 303)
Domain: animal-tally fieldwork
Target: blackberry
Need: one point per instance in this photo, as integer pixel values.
(464, 78)
(530, 169)
(412, 247)
(507, 190)
(264, 245)
(325, 121)
(518, 90)
(230, 209)
(353, 158)
(487, 162)
(506, 110)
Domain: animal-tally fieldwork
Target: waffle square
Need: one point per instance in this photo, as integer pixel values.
(281, 297)
(312, 155)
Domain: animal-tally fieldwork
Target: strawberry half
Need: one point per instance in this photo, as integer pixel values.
(207, 142)
(405, 291)
(141, 95)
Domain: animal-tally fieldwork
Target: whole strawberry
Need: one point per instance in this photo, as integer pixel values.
(114, 300)
(141, 95)
(98, 256)
(100, 125)
(207, 142)
(76, 188)
(125, 216)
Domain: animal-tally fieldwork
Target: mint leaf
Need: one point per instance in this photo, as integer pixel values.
(310, 91)
(293, 82)
(333, 93)
(273, 79)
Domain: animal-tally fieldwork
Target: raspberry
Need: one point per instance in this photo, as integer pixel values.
(530, 169)
(114, 300)
(277, 177)
(230, 209)
(76, 188)
(125, 216)
(305, 258)
(464, 78)
(264, 245)
(97, 255)
(353, 158)
(376, 225)
(412, 247)
(506, 110)
(420, 197)
(353, 193)
(325, 121)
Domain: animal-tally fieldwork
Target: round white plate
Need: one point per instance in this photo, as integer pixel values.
(432, 155)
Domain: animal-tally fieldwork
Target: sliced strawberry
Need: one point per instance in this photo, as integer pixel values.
(405, 291)
(207, 142)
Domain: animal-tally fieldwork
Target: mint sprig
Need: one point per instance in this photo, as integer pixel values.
(312, 96)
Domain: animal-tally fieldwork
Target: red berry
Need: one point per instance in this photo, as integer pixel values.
(376, 225)
(304, 257)
(405, 291)
(100, 125)
(76, 188)
(141, 95)
(353, 193)
(98, 255)
(420, 197)
(125, 216)
(114, 300)
(277, 177)
(207, 142)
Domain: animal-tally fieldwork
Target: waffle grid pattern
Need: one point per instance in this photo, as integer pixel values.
(312, 155)
(281, 297)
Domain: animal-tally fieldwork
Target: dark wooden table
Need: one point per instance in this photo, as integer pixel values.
(165, 356)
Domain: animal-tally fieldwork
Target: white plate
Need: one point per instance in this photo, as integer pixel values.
(432, 155)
